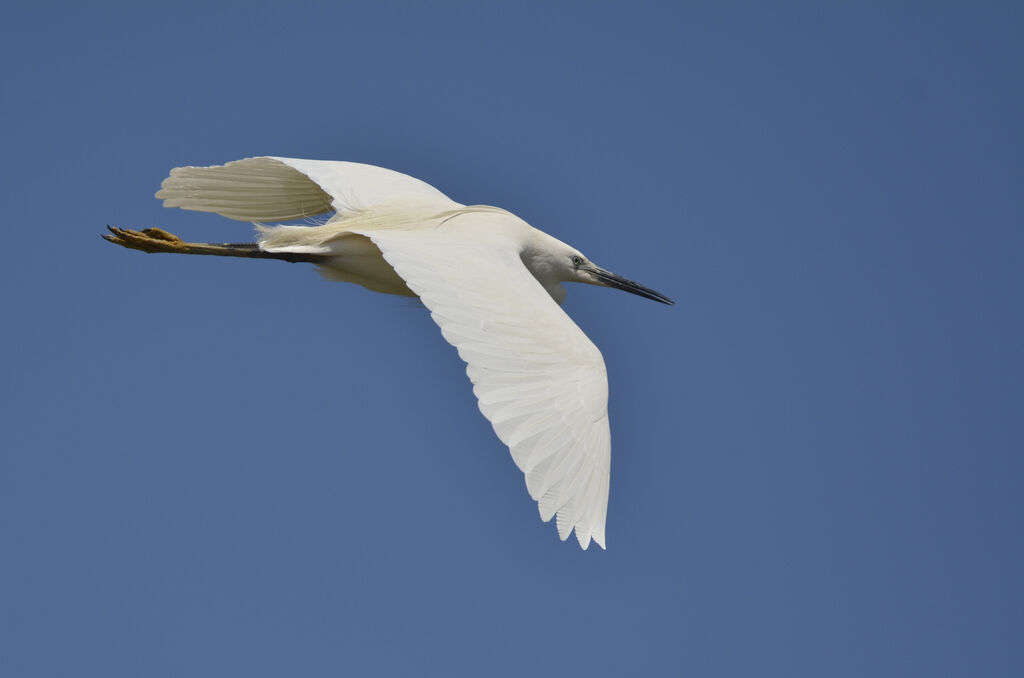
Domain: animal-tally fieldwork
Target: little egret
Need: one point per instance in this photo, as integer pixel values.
(492, 282)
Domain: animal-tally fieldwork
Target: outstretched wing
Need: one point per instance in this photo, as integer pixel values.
(538, 379)
(280, 189)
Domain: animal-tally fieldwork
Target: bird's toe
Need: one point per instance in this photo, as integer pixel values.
(146, 240)
(161, 234)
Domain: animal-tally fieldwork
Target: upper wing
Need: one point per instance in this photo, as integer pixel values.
(538, 379)
(279, 189)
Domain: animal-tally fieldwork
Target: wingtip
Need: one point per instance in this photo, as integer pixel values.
(585, 539)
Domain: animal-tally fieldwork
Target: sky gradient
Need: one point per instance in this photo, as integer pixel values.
(218, 467)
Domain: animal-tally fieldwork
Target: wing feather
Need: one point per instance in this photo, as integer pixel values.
(281, 189)
(538, 379)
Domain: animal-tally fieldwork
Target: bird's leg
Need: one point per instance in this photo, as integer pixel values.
(158, 240)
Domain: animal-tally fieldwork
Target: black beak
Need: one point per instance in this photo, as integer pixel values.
(609, 279)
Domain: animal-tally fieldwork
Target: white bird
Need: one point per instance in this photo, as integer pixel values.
(492, 283)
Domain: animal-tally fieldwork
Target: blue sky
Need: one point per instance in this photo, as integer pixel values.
(216, 467)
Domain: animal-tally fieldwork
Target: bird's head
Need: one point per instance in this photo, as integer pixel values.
(583, 270)
(553, 262)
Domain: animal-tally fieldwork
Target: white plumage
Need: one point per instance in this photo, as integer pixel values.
(493, 285)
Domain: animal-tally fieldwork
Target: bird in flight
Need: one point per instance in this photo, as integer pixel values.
(492, 283)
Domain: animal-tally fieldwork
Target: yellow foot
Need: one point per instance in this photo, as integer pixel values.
(146, 240)
(159, 240)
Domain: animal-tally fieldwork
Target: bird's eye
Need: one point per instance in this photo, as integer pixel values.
(576, 260)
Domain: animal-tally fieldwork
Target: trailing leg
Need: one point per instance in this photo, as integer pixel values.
(158, 240)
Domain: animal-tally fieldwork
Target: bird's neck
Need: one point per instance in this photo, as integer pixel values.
(540, 256)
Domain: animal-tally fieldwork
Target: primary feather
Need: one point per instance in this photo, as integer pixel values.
(282, 189)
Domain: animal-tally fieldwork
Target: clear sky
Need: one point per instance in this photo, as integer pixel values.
(233, 468)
